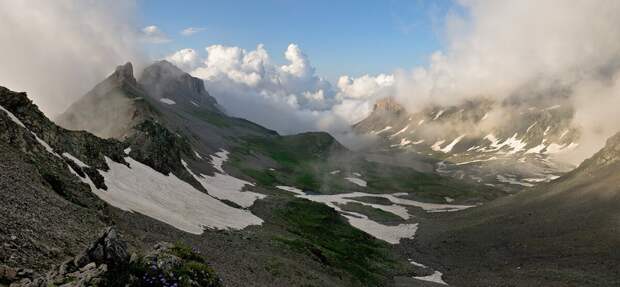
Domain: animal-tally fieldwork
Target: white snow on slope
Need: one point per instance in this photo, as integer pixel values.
(476, 160)
(47, 147)
(383, 130)
(420, 122)
(291, 189)
(435, 277)
(437, 145)
(74, 159)
(194, 103)
(141, 189)
(513, 144)
(127, 150)
(387, 233)
(13, 117)
(167, 101)
(16, 120)
(334, 172)
(403, 142)
(551, 108)
(486, 115)
(357, 181)
(400, 132)
(218, 159)
(391, 234)
(536, 149)
(439, 113)
(450, 146)
(224, 186)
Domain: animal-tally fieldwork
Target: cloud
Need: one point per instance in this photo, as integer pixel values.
(192, 30)
(367, 86)
(153, 35)
(185, 59)
(288, 97)
(58, 50)
(503, 48)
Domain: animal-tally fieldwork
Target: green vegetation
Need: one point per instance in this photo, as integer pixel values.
(176, 265)
(216, 119)
(323, 234)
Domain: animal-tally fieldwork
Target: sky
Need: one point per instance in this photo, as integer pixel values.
(341, 37)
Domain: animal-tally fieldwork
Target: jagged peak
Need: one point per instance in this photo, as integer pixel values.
(388, 104)
(124, 73)
(608, 155)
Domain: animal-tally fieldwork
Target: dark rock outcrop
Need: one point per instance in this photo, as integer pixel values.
(106, 262)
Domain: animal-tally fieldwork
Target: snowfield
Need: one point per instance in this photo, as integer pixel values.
(387, 233)
(141, 189)
(224, 186)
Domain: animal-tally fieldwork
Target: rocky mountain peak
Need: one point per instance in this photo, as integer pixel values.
(388, 104)
(608, 155)
(163, 80)
(124, 73)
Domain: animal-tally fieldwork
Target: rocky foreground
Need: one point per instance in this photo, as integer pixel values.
(106, 262)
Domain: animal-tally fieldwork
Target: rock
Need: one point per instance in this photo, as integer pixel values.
(108, 249)
(8, 273)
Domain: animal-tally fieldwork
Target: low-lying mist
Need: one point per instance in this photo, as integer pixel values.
(58, 50)
(500, 48)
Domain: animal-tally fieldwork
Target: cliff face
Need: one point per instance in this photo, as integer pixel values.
(388, 105)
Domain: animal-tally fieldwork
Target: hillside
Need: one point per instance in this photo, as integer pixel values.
(563, 233)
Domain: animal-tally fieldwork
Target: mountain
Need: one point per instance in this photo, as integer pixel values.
(564, 233)
(507, 144)
(168, 164)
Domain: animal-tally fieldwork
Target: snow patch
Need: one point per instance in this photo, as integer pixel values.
(141, 189)
(167, 101)
(383, 130)
(357, 181)
(436, 277)
(449, 147)
(75, 160)
(439, 113)
(437, 145)
(291, 189)
(400, 132)
(226, 187)
(13, 117)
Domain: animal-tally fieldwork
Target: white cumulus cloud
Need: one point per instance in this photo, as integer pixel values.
(185, 59)
(288, 97)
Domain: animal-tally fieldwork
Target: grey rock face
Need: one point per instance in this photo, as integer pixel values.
(90, 268)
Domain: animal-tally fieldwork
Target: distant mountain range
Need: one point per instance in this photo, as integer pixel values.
(509, 145)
